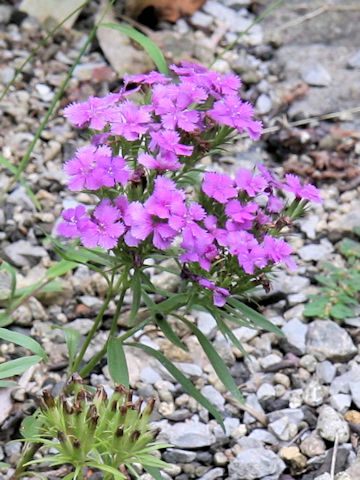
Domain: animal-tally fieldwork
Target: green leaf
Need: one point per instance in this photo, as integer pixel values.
(174, 302)
(136, 288)
(72, 338)
(5, 319)
(107, 469)
(152, 461)
(350, 248)
(169, 333)
(154, 472)
(216, 361)
(18, 366)
(117, 362)
(341, 311)
(317, 307)
(148, 45)
(7, 384)
(24, 341)
(30, 426)
(4, 465)
(255, 317)
(60, 268)
(180, 377)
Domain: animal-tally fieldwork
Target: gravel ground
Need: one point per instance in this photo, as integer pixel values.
(305, 387)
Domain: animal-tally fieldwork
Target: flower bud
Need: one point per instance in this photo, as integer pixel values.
(48, 399)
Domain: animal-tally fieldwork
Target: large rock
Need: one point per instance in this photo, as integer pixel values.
(190, 435)
(295, 335)
(327, 340)
(331, 425)
(255, 463)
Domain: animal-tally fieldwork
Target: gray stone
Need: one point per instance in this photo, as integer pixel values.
(354, 60)
(325, 372)
(175, 455)
(295, 333)
(341, 402)
(149, 375)
(5, 13)
(213, 474)
(327, 340)
(20, 197)
(313, 445)
(213, 396)
(201, 19)
(285, 283)
(206, 323)
(266, 391)
(355, 392)
(190, 369)
(81, 325)
(220, 459)
(283, 428)
(331, 425)
(308, 362)
(263, 104)
(316, 75)
(323, 476)
(253, 402)
(255, 463)
(270, 360)
(189, 435)
(296, 415)
(23, 254)
(245, 334)
(309, 224)
(264, 436)
(316, 252)
(314, 394)
(341, 384)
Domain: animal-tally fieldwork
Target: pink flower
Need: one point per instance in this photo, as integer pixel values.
(252, 184)
(161, 162)
(94, 167)
(241, 213)
(94, 112)
(169, 141)
(72, 216)
(103, 229)
(147, 78)
(130, 120)
(277, 250)
(219, 294)
(235, 113)
(198, 245)
(142, 224)
(218, 186)
(307, 192)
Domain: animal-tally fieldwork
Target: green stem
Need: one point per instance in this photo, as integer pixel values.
(93, 330)
(26, 457)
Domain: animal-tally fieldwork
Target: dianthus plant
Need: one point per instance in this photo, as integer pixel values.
(154, 201)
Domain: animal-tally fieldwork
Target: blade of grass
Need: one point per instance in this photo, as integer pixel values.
(146, 43)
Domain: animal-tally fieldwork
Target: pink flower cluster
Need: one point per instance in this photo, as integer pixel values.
(138, 156)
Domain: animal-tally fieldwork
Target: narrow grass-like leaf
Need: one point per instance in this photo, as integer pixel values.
(72, 338)
(164, 326)
(60, 268)
(136, 288)
(24, 341)
(255, 317)
(18, 366)
(184, 381)
(154, 472)
(216, 361)
(172, 303)
(117, 362)
(12, 273)
(5, 319)
(106, 468)
(146, 43)
(7, 384)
